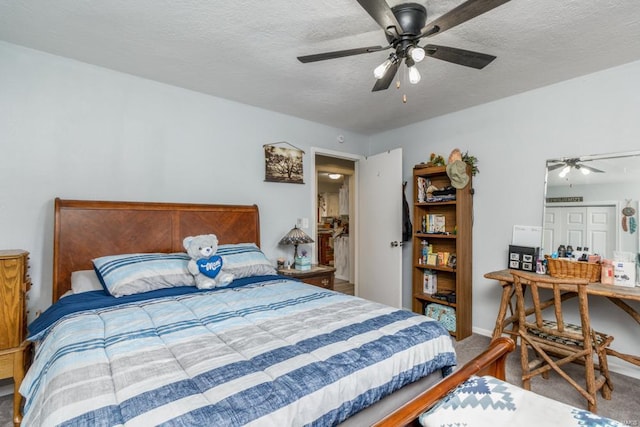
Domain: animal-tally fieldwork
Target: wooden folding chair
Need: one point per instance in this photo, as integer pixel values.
(556, 342)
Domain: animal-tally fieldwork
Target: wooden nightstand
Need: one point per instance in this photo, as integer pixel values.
(14, 284)
(319, 275)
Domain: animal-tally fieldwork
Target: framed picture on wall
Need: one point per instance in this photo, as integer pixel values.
(283, 164)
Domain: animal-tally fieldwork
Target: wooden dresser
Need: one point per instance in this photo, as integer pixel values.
(319, 275)
(14, 284)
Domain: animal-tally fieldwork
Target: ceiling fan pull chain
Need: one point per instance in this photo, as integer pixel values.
(402, 76)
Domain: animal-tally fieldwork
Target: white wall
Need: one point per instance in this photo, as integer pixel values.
(72, 130)
(512, 139)
(75, 131)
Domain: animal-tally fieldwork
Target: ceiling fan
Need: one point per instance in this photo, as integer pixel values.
(404, 25)
(568, 164)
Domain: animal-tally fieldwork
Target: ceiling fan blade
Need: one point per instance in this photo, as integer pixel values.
(554, 167)
(456, 16)
(383, 15)
(459, 56)
(591, 169)
(385, 81)
(340, 53)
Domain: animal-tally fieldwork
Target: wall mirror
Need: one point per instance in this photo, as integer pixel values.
(592, 201)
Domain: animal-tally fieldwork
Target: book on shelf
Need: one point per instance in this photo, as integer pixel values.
(433, 223)
(443, 258)
(430, 282)
(423, 184)
(432, 258)
(438, 223)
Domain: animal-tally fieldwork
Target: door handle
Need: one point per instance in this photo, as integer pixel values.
(395, 244)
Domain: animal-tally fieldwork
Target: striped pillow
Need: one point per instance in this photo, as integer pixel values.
(136, 273)
(245, 260)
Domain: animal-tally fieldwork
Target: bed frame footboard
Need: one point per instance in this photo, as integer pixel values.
(491, 362)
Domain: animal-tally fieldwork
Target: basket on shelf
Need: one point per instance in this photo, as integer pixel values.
(565, 268)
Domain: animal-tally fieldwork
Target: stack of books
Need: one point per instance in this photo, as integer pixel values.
(433, 223)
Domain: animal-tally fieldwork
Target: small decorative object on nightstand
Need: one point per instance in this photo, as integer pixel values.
(14, 284)
(318, 275)
(303, 262)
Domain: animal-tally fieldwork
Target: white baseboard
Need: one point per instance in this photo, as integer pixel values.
(615, 364)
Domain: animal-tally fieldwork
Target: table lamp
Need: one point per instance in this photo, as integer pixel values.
(295, 237)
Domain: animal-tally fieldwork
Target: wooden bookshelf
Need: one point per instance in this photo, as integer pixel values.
(457, 239)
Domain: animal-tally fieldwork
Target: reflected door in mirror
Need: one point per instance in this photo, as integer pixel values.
(593, 227)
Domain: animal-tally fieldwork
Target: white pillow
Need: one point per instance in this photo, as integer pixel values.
(85, 281)
(129, 274)
(245, 260)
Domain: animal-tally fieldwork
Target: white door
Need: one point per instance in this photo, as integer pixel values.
(552, 230)
(380, 228)
(581, 226)
(575, 223)
(601, 223)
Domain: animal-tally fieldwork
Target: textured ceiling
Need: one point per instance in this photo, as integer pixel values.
(245, 50)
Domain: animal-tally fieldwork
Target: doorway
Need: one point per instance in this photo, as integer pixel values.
(335, 214)
(375, 265)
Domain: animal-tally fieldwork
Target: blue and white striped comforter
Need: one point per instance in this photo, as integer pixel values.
(273, 353)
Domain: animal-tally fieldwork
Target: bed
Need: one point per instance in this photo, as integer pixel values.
(265, 350)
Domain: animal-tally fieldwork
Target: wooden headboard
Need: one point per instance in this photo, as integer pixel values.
(84, 230)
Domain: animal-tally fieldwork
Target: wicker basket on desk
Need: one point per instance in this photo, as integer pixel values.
(563, 269)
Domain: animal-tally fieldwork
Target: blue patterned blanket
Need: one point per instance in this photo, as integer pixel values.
(272, 352)
(487, 401)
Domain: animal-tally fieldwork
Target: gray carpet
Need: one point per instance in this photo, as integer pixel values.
(624, 405)
(6, 411)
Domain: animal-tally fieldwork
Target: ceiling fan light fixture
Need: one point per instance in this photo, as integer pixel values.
(404, 25)
(381, 69)
(565, 170)
(417, 53)
(335, 176)
(585, 171)
(414, 75)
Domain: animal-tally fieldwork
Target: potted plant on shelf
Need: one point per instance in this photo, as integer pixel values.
(471, 161)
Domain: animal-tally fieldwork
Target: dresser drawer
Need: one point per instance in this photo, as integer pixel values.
(323, 280)
(6, 365)
(321, 276)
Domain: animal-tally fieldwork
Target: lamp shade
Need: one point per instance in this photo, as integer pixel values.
(295, 237)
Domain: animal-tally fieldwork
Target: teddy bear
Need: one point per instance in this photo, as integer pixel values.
(207, 267)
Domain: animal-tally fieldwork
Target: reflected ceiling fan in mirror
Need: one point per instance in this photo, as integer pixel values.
(404, 26)
(568, 164)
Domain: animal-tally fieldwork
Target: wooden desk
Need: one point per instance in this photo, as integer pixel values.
(615, 294)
